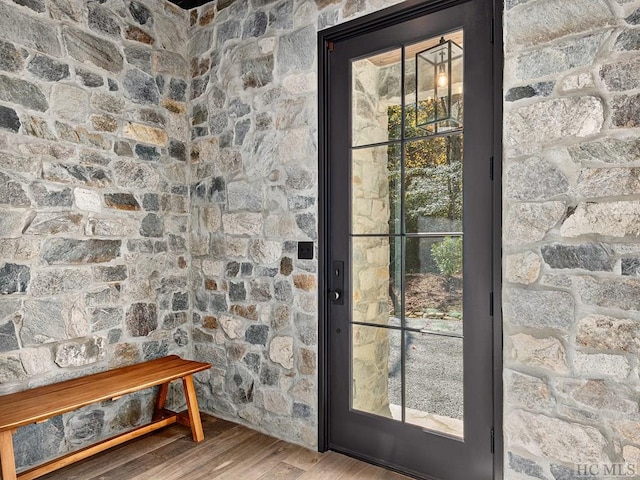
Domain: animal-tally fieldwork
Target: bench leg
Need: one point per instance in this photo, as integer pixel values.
(161, 401)
(7, 458)
(192, 406)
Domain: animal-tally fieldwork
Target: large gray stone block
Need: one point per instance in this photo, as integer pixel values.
(539, 22)
(626, 111)
(620, 294)
(547, 121)
(607, 182)
(556, 58)
(11, 59)
(37, 442)
(19, 91)
(553, 438)
(296, 50)
(26, 30)
(588, 256)
(607, 150)
(14, 278)
(11, 192)
(142, 319)
(8, 337)
(58, 251)
(539, 308)
(43, 321)
(85, 47)
(56, 281)
(140, 87)
(621, 75)
(48, 69)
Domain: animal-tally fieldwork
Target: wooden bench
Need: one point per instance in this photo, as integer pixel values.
(42, 403)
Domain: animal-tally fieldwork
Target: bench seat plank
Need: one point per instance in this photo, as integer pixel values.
(41, 403)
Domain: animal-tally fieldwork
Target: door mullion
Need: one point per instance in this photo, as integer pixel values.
(402, 237)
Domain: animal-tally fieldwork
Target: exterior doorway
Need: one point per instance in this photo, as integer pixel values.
(407, 132)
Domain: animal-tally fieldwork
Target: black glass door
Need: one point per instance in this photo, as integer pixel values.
(409, 219)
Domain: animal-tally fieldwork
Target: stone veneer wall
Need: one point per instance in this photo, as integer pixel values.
(255, 308)
(93, 201)
(571, 237)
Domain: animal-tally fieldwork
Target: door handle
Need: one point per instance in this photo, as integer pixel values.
(335, 295)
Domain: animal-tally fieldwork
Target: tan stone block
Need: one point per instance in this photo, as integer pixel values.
(124, 354)
(595, 394)
(627, 429)
(610, 219)
(173, 106)
(145, 134)
(547, 353)
(281, 351)
(210, 322)
(527, 391)
(104, 123)
(305, 282)
(522, 267)
(631, 454)
(307, 362)
(606, 333)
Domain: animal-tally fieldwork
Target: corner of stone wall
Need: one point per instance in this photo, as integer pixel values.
(570, 236)
(253, 197)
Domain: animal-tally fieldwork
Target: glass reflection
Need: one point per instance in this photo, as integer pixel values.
(433, 184)
(375, 190)
(376, 277)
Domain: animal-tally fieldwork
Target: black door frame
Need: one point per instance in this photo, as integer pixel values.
(398, 13)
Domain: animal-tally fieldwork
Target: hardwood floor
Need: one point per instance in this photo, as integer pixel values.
(228, 452)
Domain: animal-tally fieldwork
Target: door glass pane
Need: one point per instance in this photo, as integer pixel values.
(375, 190)
(373, 365)
(376, 90)
(433, 184)
(433, 284)
(433, 382)
(376, 277)
(407, 235)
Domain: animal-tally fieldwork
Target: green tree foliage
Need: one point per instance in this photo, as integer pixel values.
(433, 177)
(448, 255)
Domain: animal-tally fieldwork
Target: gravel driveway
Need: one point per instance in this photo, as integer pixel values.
(433, 375)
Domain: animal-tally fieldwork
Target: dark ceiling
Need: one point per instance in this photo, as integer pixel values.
(187, 4)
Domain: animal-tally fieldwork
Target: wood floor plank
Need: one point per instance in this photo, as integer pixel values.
(331, 465)
(303, 458)
(236, 460)
(210, 454)
(282, 471)
(228, 452)
(271, 458)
